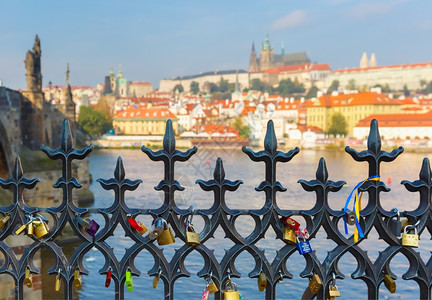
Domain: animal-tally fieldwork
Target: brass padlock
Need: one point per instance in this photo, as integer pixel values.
(404, 223)
(389, 283)
(166, 237)
(192, 238)
(140, 227)
(28, 278)
(4, 221)
(156, 279)
(41, 230)
(334, 292)
(262, 282)
(30, 229)
(211, 286)
(129, 283)
(231, 292)
(57, 283)
(315, 284)
(23, 226)
(77, 279)
(289, 235)
(410, 240)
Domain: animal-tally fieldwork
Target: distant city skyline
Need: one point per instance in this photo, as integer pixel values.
(153, 41)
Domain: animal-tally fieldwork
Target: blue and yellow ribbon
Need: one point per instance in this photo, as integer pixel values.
(357, 207)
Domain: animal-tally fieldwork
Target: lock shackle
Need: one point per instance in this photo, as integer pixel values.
(411, 227)
(333, 281)
(397, 211)
(58, 273)
(190, 217)
(281, 276)
(158, 275)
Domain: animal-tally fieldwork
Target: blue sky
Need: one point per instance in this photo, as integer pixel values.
(162, 39)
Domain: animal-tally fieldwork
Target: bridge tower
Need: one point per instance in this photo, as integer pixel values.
(32, 108)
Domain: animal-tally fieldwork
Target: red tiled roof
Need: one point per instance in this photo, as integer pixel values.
(399, 120)
(145, 113)
(362, 98)
(304, 128)
(140, 83)
(405, 66)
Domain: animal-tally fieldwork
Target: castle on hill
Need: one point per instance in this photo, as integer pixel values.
(269, 60)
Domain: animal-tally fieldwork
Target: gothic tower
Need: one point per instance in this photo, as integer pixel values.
(364, 61)
(253, 63)
(69, 104)
(266, 56)
(373, 62)
(32, 107)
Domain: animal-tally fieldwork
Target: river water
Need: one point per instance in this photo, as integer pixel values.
(237, 165)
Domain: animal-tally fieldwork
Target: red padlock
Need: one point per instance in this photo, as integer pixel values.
(291, 222)
(137, 225)
(108, 278)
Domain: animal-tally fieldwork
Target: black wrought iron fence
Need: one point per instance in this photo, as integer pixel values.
(170, 221)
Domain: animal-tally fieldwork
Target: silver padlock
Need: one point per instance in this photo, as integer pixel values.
(396, 225)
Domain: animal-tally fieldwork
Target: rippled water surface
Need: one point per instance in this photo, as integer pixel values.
(238, 166)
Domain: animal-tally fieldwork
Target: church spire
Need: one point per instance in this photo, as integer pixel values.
(282, 48)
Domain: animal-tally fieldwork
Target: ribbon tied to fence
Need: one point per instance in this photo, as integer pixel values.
(357, 207)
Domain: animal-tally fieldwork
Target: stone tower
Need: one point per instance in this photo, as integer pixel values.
(266, 56)
(364, 61)
(69, 104)
(32, 108)
(373, 62)
(253, 64)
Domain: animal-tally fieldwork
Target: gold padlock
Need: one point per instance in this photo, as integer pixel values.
(28, 278)
(156, 279)
(30, 229)
(166, 237)
(389, 283)
(4, 221)
(231, 292)
(410, 240)
(21, 229)
(404, 223)
(77, 279)
(192, 238)
(262, 282)
(41, 230)
(57, 283)
(143, 230)
(315, 284)
(289, 235)
(211, 286)
(334, 292)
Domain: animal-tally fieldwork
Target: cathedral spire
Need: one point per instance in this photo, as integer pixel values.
(282, 48)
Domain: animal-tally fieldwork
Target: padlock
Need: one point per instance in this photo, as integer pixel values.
(30, 228)
(158, 226)
(156, 279)
(28, 278)
(262, 282)
(211, 286)
(41, 230)
(289, 235)
(410, 240)
(108, 278)
(128, 281)
(290, 222)
(404, 223)
(205, 294)
(334, 292)
(231, 292)
(4, 221)
(77, 279)
(140, 227)
(389, 283)
(167, 236)
(302, 232)
(396, 225)
(92, 227)
(192, 238)
(57, 283)
(350, 217)
(303, 246)
(23, 226)
(315, 284)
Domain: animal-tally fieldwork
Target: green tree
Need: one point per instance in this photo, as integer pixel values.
(244, 130)
(287, 87)
(223, 85)
(351, 85)
(93, 122)
(213, 87)
(194, 87)
(179, 87)
(406, 91)
(257, 85)
(334, 86)
(338, 124)
(428, 89)
(312, 93)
